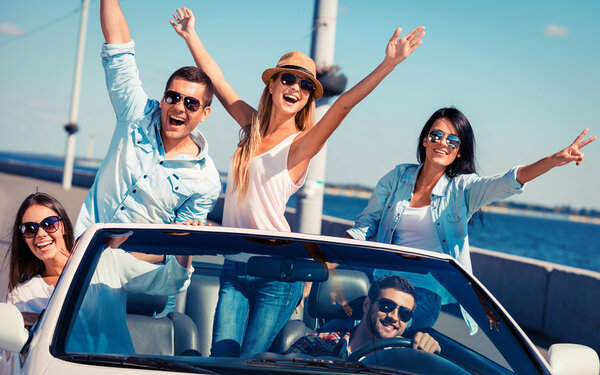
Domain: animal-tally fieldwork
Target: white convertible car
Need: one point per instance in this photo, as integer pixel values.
(98, 324)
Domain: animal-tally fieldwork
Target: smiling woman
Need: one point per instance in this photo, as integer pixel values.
(42, 239)
(429, 205)
(278, 140)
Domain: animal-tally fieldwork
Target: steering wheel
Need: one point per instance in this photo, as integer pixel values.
(392, 342)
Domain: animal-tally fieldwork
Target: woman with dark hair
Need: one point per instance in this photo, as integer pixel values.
(428, 205)
(277, 142)
(42, 239)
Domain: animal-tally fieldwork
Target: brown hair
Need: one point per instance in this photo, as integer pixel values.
(194, 74)
(23, 263)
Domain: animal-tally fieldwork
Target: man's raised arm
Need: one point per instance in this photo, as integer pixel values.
(114, 26)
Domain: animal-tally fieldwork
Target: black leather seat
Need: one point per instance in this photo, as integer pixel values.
(174, 334)
(323, 316)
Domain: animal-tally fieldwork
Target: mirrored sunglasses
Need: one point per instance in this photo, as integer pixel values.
(49, 224)
(386, 306)
(189, 102)
(436, 136)
(289, 79)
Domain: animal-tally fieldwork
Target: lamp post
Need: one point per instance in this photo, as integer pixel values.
(309, 199)
(72, 127)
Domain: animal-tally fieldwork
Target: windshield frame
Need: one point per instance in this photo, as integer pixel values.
(94, 248)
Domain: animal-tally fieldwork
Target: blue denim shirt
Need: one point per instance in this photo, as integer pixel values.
(453, 202)
(135, 183)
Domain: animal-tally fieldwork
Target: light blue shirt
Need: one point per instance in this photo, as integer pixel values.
(135, 183)
(101, 325)
(453, 203)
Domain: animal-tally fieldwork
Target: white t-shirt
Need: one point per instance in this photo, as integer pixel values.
(31, 295)
(415, 229)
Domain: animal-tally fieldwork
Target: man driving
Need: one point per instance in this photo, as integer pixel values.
(387, 310)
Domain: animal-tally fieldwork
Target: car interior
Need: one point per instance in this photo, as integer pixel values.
(186, 331)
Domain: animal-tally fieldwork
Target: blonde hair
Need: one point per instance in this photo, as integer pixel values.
(251, 137)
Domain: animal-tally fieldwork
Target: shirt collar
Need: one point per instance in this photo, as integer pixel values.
(201, 142)
(411, 177)
(196, 136)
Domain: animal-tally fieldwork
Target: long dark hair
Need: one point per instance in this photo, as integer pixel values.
(23, 263)
(466, 163)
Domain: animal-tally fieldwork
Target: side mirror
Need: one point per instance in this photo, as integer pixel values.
(573, 359)
(13, 334)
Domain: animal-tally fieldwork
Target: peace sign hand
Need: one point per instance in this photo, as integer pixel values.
(573, 153)
(399, 49)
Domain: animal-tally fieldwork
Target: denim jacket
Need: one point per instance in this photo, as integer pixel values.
(453, 202)
(135, 183)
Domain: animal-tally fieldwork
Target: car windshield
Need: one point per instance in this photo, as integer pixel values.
(132, 302)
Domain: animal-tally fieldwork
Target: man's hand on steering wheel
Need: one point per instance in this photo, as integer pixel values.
(424, 342)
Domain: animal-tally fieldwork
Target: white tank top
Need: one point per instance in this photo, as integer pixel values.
(269, 189)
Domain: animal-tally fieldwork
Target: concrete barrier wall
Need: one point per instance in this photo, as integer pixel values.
(559, 301)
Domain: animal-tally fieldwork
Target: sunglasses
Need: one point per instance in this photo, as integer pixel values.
(435, 136)
(189, 102)
(49, 224)
(386, 306)
(289, 79)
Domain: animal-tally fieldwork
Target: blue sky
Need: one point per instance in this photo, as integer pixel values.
(525, 73)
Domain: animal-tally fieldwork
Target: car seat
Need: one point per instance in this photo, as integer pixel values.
(174, 334)
(323, 316)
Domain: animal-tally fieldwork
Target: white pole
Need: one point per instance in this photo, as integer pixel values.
(71, 127)
(309, 204)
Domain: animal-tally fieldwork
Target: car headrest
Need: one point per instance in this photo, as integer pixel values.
(355, 286)
(145, 304)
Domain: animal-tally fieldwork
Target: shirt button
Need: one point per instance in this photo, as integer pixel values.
(176, 187)
(134, 191)
(438, 223)
(138, 142)
(145, 176)
(409, 200)
(389, 206)
(122, 208)
(443, 240)
(160, 162)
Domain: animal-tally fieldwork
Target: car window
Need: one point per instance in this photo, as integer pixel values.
(133, 298)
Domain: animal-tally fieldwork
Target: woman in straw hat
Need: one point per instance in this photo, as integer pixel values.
(277, 143)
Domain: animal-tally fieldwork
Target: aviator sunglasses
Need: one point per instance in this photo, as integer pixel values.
(189, 102)
(435, 136)
(49, 224)
(387, 306)
(289, 79)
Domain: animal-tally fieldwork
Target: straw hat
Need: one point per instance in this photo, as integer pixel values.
(298, 64)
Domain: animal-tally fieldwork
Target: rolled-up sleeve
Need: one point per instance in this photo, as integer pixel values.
(480, 191)
(197, 207)
(128, 98)
(143, 277)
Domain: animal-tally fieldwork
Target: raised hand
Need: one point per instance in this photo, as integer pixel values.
(573, 152)
(399, 49)
(183, 22)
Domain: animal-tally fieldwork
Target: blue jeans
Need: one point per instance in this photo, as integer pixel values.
(250, 313)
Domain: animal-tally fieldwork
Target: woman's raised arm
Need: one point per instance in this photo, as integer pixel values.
(183, 24)
(564, 156)
(396, 51)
